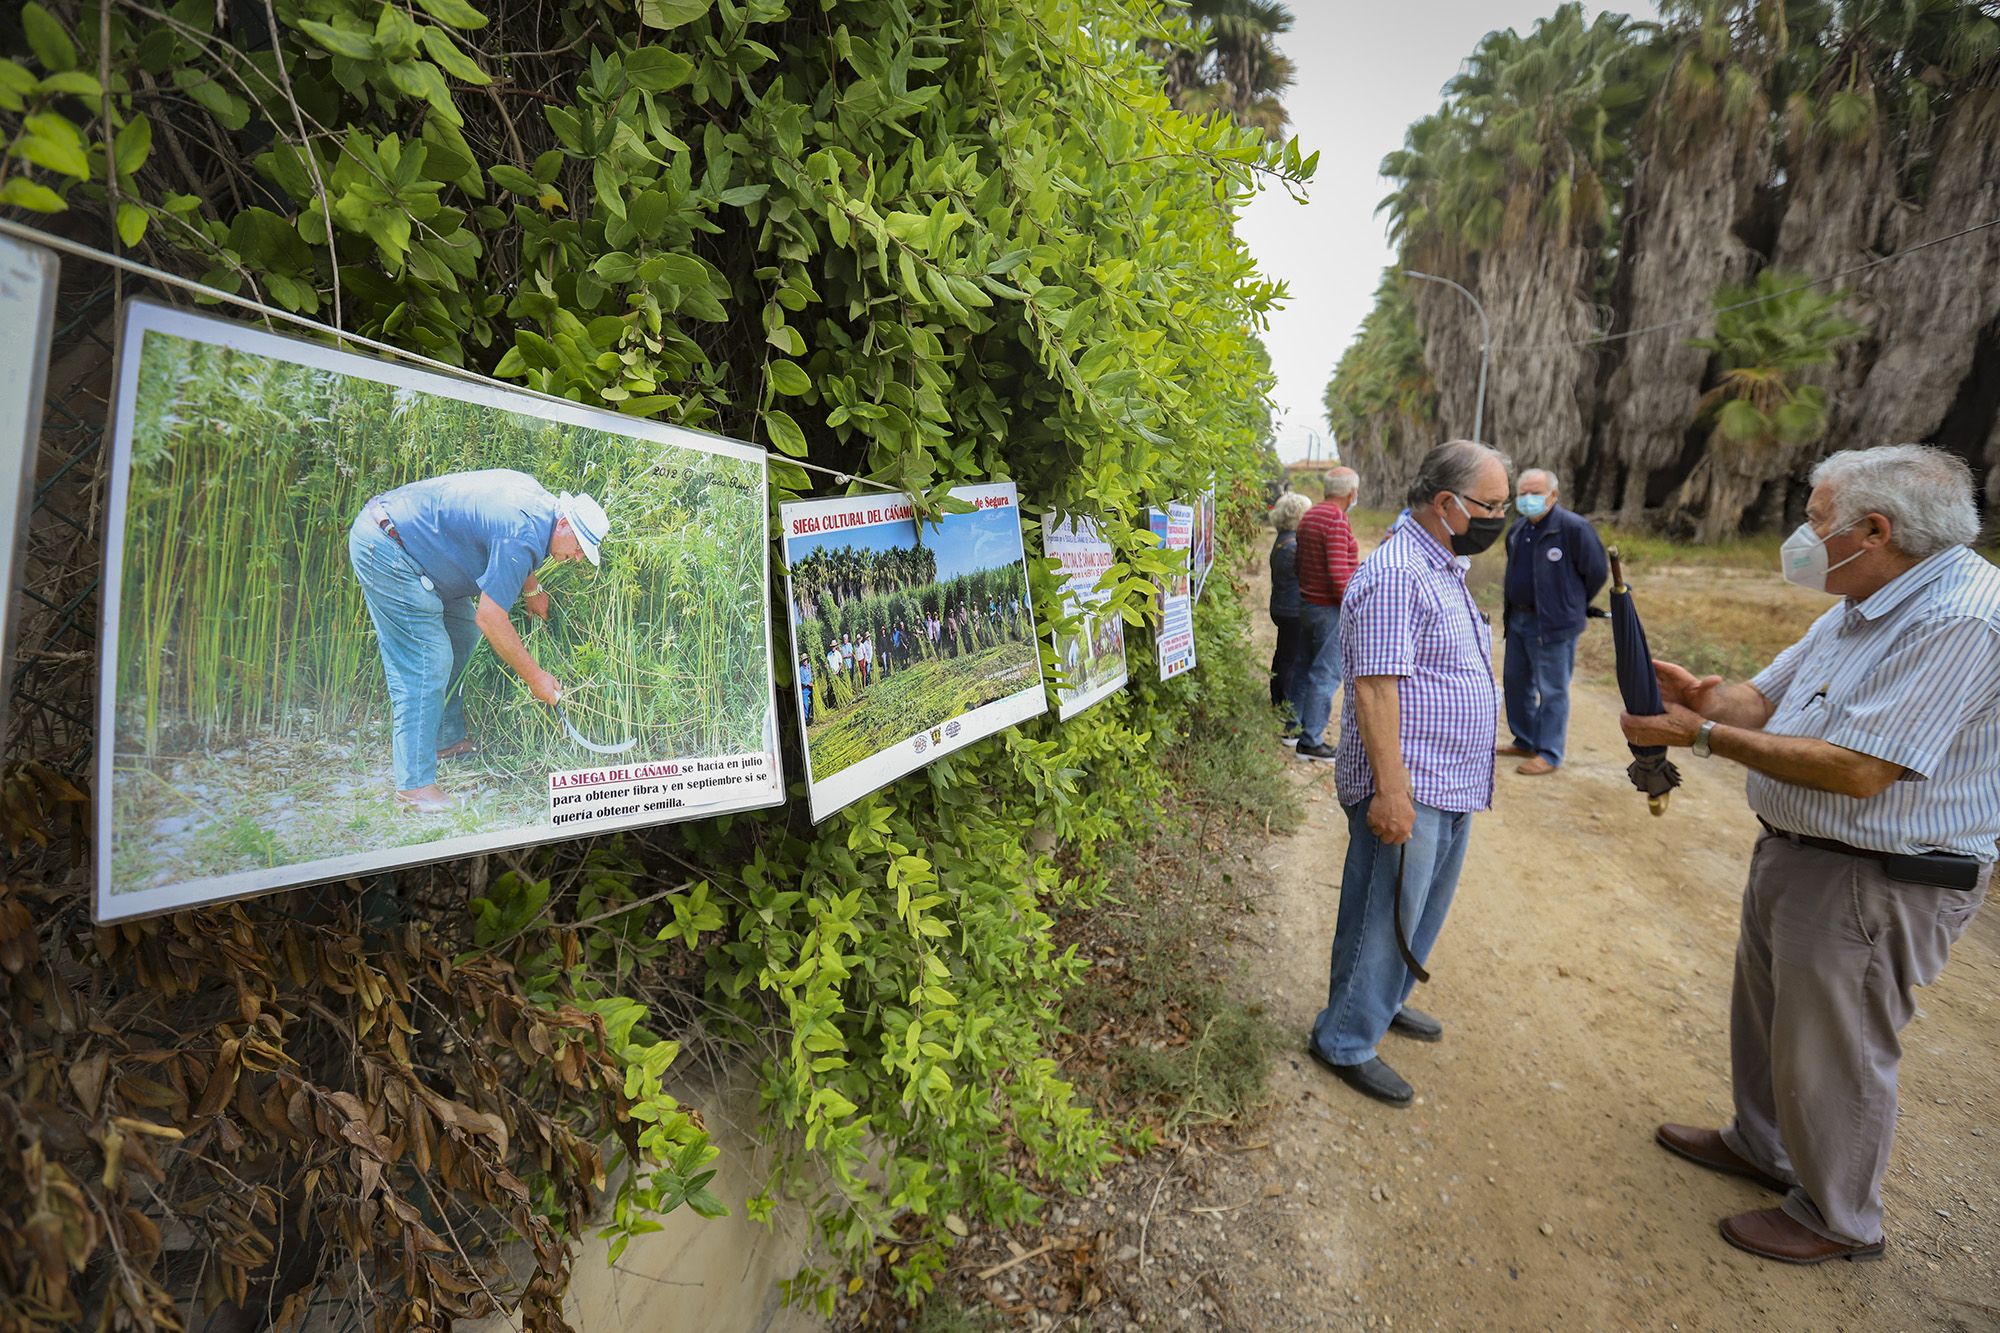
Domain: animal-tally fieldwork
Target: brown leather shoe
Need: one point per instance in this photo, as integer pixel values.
(1704, 1147)
(1535, 767)
(1519, 751)
(1772, 1233)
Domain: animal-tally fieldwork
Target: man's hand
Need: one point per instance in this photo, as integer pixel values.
(545, 687)
(1678, 685)
(1391, 817)
(536, 603)
(1679, 725)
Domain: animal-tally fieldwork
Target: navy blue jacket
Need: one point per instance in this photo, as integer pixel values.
(1562, 562)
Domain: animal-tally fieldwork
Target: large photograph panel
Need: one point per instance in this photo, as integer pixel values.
(906, 644)
(28, 276)
(361, 616)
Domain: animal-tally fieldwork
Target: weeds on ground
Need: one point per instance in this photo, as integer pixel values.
(1651, 550)
(946, 1312)
(1153, 1032)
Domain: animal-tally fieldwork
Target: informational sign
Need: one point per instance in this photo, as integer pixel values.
(28, 276)
(1092, 659)
(1174, 644)
(1204, 539)
(908, 642)
(360, 616)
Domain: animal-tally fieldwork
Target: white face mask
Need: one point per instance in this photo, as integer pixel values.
(1802, 559)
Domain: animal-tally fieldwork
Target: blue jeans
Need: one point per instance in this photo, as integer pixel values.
(1316, 672)
(1535, 675)
(426, 641)
(1369, 980)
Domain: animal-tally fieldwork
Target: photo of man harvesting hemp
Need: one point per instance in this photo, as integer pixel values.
(441, 563)
(364, 615)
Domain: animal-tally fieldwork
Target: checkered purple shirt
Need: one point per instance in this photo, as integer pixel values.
(1408, 613)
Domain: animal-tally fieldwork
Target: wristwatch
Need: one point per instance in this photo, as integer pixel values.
(1701, 741)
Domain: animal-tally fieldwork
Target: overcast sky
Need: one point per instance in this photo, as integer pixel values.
(1366, 70)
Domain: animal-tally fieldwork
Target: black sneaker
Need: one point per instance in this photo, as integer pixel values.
(1291, 736)
(1321, 753)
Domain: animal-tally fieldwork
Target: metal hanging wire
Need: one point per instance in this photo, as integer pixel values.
(35, 236)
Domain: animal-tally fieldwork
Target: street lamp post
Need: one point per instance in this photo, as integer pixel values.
(1485, 348)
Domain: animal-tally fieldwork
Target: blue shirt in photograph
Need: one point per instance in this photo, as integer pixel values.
(475, 532)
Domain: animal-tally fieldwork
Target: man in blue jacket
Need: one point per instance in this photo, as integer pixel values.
(1555, 565)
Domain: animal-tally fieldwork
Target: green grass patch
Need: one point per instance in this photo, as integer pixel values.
(1164, 1037)
(927, 694)
(1650, 549)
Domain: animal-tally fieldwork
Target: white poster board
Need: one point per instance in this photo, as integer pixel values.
(28, 276)
(1203, 554)
(1174, 642)
(283, 675)
(907, 644)
(1093, 659)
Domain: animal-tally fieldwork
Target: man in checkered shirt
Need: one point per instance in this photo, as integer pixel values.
(1419, 714)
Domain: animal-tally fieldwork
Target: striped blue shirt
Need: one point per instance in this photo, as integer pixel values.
(1910, 675)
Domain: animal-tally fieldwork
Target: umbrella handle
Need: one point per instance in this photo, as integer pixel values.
(1657, 804)
(1617, 570)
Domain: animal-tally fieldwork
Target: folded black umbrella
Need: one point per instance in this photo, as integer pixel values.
(1651, 771)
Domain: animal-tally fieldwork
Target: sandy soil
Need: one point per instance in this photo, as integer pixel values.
(1584, 982)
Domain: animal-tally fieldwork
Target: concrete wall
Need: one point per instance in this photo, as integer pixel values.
(697, 1275)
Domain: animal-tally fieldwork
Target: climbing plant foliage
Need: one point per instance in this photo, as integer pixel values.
(923, 242)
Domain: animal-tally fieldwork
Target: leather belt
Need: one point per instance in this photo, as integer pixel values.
(1939, 870)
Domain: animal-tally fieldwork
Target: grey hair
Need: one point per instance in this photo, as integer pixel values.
(1289, 509)
(1451, 466)
(1925, 492)
(1340, 482)
(1555, 487)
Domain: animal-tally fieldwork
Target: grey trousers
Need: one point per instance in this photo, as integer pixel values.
(1830, 950)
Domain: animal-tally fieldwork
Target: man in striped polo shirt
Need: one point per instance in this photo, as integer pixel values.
(1418, 719)
(1873, 746)
(1326, 556)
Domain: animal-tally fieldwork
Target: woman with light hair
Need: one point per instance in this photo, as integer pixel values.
(1285, 516)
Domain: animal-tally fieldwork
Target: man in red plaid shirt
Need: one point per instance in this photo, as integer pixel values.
(1327, 555)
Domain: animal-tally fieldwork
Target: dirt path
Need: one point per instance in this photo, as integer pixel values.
(1584, 983)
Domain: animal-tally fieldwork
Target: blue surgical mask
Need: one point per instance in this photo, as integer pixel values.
(1530, 505)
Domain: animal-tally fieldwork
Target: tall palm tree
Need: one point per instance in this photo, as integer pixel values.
(1535, 132)
(1224, 58)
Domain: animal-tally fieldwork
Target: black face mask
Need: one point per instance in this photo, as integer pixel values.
(1479, 533)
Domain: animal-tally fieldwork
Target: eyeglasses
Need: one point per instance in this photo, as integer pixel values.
(1491, 508)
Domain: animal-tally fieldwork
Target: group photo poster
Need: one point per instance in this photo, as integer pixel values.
(360, 616)
(1092, 660)
(1203, 549)
(28, 276)
(1174, 640)
(907, 643)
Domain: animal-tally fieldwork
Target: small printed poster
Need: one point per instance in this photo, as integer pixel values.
(1204, 539)
(908, 643)
(1174, 642)
(1093, 659)
(360, 616)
